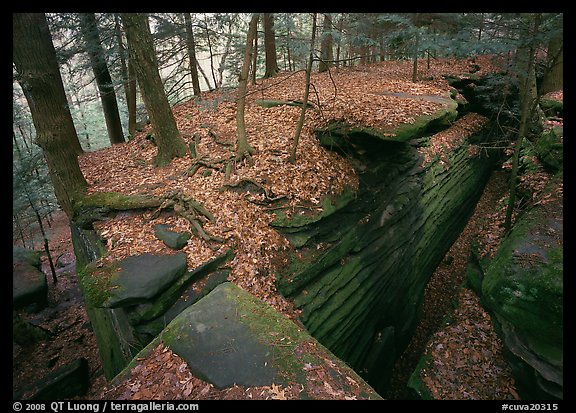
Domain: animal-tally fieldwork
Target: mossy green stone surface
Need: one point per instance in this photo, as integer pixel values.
(231, 337)
(524, 288)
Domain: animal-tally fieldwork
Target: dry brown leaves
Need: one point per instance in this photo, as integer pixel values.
(355, 95)
(467, 362)
(443, 143)
(163, 375)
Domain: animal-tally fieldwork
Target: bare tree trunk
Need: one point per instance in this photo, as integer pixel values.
(168, 139)
(243, 149)
(205, 77)
(340, 29)
(37, 71)
(255, 57)
(128, 78)
(415, 58)
(326, 45)
(192, 55)
(91, 35)
(528, 105)
(210, 51)
(306, 93)
(554, 76)
(270, 46)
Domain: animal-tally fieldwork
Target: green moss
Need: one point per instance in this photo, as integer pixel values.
(524, 283)
(442, 117)
(415, 382)
(330, 204)
(95, 282)
(116, 200)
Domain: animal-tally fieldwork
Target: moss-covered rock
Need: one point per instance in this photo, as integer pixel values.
(230, 337)
(137, 298)
(360, 276)
(29, 287)
(550, 149)
(523, 288)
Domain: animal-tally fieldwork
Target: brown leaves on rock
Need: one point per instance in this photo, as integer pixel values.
(163, 375)
(362, 95)
(444, 142)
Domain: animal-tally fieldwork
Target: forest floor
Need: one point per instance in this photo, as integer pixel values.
(357, 95)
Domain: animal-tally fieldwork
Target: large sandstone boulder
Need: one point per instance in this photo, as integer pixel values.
(29, 287)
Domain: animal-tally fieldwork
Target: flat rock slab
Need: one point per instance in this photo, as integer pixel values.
(230, 337)
(217, 345)
(142, 277)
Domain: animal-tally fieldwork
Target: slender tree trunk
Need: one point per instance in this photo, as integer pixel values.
(326, 45)
(225, 54)
(528, 104)
(205, 77)
(210, 51)
(255, 57)
(128, 78)
(191, 43)
(37, 70)
(91, 35)
(338, 44)
(306, 93)
(290, 66)
(415, 57)
(168, 139)
(16, 220)
(243, 149)
(270, 46)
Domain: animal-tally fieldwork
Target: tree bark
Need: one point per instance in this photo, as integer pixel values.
(128, 78)
(528, 103)
(37, 70)
(270, 46)
(243, 149)
(326, 45)
(255, 57)
(167, 137)
(306, 93)
(554, 76)
(191, 43)
(89, 29)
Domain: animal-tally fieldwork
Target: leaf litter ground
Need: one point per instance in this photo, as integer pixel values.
(357, 95)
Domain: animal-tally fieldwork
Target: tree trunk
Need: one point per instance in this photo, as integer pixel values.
(94, 48)
(168, 139)
(415, 57)
(339, 43)
(37, 70)
(128, 78)
(528, 103)
(554, 76)
(270, 46)
(243, 149)
(210, 51)
(306, 93)
(192, 55)
(326, 45)
(255, 58)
